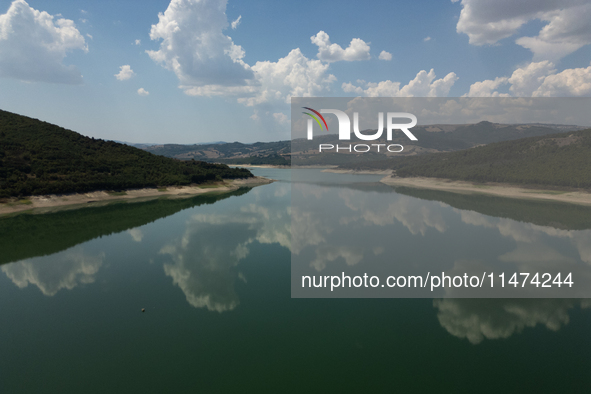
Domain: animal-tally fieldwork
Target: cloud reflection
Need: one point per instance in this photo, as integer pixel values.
(479, 319)
(204, 261)
(64, 270)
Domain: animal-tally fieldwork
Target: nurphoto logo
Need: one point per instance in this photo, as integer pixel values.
(345, 130)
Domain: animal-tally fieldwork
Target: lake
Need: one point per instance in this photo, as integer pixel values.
(213, 274)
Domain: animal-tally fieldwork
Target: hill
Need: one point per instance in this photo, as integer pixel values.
(432, 138)
(221, 152)
(38, 158)
(560, 160)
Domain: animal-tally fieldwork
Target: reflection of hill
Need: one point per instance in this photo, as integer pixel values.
(25, 236)
(557, 215)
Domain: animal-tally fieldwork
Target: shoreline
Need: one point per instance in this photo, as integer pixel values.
(500, 190)
(328, 166)
(361, 172)
(52, 203)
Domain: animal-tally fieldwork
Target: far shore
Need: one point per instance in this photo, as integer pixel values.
(284, 167)
(51, 203)
(363, 172)
(501, 190)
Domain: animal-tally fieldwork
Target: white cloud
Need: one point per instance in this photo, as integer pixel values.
(143, 92)
(236, 23)
(567, 25)
(194, 47)
(526, 80)
(570, 82)
(33, 45)
(89, 36)
(137, 42)
(281, 117)
(426, 39)
(538, 79)
(292, 75)
(423, 85)
(487, 88)
(125, 73)
(327, 52)
(385, 56)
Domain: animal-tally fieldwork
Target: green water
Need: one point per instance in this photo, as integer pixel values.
(213, 274)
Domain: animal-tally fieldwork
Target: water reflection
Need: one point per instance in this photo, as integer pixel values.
(204, 262)
(479, 319)
(203, 251)
(64, 270)
(30, 235)
(337, 228)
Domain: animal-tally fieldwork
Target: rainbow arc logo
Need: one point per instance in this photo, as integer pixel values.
(315, 118)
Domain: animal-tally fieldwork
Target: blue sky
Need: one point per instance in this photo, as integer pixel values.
(195, 76)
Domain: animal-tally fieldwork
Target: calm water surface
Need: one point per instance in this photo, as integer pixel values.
(213, 274)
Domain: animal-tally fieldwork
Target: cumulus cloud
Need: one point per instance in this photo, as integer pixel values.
(125, 73)
(292, 75)
(327, 52)
(539, 79)
(143, 92)
(236, 23)
(137, 42)
(570, 82)
(33, 45)
(385, 56)
(566, 26)
(423, 85)
(426, 39)
(487, 88)
(194, 47)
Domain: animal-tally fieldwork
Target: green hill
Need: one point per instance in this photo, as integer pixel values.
(39, 158)
(558, 160)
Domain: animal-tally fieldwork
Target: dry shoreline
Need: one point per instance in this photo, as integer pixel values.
(51, 203)
(501, 190)
(361, 172)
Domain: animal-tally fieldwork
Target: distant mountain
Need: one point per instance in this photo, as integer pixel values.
(228, 152)
(431, 139)
(40, 158)
(560, 160)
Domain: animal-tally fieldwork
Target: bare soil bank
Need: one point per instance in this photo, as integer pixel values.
(502, 190)
(50, 203)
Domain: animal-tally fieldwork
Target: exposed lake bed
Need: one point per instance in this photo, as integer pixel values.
(51, 203)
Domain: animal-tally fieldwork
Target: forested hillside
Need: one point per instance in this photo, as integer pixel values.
(39, 158)
(562, 160)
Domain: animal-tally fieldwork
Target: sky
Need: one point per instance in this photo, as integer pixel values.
(194, 71)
